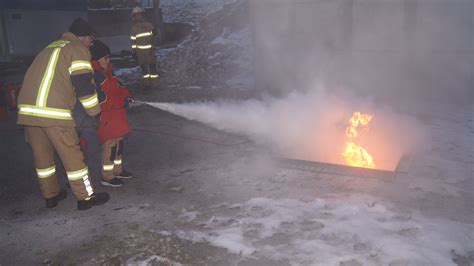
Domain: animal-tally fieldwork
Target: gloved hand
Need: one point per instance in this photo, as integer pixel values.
(96, 121)
(129, 102)
(79, 132)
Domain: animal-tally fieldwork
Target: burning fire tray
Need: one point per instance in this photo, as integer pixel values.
(402, 167)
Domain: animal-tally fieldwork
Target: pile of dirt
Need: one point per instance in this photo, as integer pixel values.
(217, 53)
(190, 11)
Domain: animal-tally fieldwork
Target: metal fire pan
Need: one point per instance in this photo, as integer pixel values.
(402, 167)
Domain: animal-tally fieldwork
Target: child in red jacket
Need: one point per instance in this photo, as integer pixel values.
(113, 126)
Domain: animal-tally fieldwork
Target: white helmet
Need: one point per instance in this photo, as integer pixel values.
(137, 10)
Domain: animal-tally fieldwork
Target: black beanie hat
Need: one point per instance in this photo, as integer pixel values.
(81, 28)
(99, 50)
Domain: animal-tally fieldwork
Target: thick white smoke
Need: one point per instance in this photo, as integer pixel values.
(308, 126)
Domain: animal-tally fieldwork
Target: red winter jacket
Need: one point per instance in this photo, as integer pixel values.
(113, 97)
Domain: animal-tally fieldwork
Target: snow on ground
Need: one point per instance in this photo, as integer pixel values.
(333, 230)
(425, 217)
(204, 197)
(152, 260)
(190, 11)
(128, 75)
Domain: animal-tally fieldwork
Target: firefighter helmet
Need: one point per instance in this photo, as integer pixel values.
(137, 10)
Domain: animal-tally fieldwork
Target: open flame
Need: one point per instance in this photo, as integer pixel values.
(356, 155)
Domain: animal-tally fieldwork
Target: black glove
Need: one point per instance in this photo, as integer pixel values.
(128, 102)
(96, 121)
(79, 132)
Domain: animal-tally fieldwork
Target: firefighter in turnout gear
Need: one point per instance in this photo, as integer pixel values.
(142, 47)
(59, 74)
(114, 99)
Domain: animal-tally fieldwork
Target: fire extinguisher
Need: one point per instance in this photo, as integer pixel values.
(12, 93)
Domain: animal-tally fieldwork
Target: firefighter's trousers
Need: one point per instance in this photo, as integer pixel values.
(112, 158)
(150, 74)
(44, 142)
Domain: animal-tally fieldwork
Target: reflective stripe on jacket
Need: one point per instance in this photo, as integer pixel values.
(142, 42)
(47, 96)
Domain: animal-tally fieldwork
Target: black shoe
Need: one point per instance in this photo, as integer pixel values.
(114, 182)
(124, 175)
(53, 202)
(95, 200)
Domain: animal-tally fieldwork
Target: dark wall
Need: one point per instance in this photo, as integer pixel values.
(113, 22)
(79, 5)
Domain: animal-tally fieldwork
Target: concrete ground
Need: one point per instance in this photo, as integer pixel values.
(201, 196)
(206, 197)
(168, 168)
(192, 179)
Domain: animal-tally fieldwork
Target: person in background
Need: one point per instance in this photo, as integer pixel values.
(113, 125)
(142, 47)
(59, 74)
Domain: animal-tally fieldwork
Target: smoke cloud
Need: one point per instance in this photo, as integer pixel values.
(309, 126)
(385, 58)
(416, 53)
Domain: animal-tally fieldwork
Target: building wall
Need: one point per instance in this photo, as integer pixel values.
(29, 25)
(3, 39)
(385, 48)
(71, 5)
(29, 31)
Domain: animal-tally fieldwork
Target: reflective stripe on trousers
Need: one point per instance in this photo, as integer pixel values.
(83, 175)
(47, 172)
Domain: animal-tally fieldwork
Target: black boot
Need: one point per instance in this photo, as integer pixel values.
(53, 202)
(125, 175)
(95, 200)
(114, 182)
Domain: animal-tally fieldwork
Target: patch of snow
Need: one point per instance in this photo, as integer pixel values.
(193, 87)
(165, 233)
(332, 230)
(190, 11)
(221, 39)
(188, 216)
(241, 80)
(126, 71)
(151, 261)
(214, 55)
(128, 75)
(163, 52)
(229, 37)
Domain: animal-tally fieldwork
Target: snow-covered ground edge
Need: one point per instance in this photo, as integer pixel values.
(329, 231)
